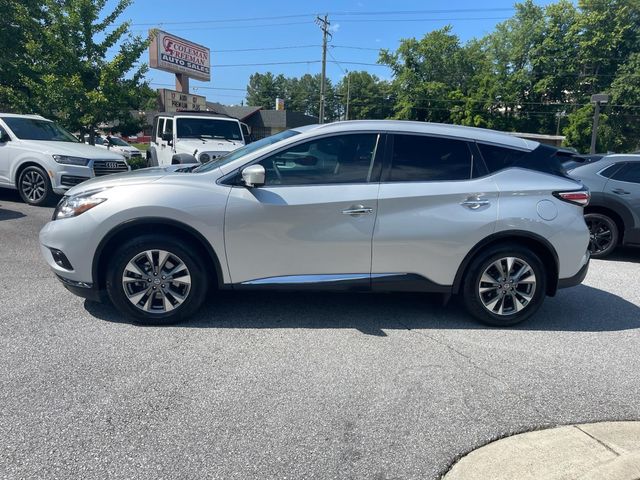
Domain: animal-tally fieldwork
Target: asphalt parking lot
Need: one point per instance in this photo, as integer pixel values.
(294, 385)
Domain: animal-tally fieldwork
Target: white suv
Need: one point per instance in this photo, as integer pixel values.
(41, 159)
(186, 137)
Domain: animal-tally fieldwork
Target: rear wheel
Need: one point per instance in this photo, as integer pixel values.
(34, 186)
(156, 280)
(504, 285)
(603, 234)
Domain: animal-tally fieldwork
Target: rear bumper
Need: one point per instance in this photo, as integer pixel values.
(576, 279)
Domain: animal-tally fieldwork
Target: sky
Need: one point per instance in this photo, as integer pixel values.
(260, 32)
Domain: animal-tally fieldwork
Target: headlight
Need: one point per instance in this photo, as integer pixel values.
(76, 205)
(66, 160)
(204, 157)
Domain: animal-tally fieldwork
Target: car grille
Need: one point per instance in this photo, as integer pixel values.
(106, 167)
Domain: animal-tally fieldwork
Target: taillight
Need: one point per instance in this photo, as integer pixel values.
(577, 197)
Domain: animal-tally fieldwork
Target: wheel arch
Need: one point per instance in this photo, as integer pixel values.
(536, 243)
(164, 226)
(25, 164)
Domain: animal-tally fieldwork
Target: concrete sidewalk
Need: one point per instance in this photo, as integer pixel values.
(595, 451)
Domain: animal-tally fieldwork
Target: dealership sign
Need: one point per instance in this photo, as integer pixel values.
(177, 55)
(172, 101)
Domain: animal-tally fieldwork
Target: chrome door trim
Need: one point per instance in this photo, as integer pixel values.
(306, 279)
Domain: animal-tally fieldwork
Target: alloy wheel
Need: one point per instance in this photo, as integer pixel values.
(507, 286)
(156, 281)
(33, 186)
(600, 235)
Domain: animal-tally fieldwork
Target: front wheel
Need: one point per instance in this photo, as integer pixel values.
(505, 285)
(603, 234)
(157, 280)
(34, 186)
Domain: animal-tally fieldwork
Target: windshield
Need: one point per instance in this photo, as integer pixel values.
(118, 141)
(34, 129)
(208, 128)
(246, 150)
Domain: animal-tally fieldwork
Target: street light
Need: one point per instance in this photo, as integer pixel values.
(598, 99)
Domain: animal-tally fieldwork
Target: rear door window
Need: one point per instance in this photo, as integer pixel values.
(418, 158)
(629, 173)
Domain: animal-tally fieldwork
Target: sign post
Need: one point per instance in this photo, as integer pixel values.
(176, 55)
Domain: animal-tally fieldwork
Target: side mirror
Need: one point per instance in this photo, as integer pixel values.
(253, 176)
(4, 136)
(167, 136)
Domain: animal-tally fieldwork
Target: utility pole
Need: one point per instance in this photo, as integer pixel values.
(598, 99)
(346, 113)
(323, 23)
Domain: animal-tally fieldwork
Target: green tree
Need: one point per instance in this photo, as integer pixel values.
(428, 75)
(64, 70)
(369, 97)
(299, 94)
(22, 24)
(263, 89)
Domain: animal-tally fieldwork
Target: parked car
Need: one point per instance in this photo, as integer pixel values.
(41, 159)
(613, 216)
(355, 206)
(187, 137)
(118, 145)
(577, 160)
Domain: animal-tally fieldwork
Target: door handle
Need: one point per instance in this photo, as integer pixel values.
(474, 203)
(620, 191)
(357, 210)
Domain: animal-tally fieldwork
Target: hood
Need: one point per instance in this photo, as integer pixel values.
(75, 150)
(190, 145)
(135, 177)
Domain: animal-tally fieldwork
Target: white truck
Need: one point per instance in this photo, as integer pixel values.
(192, 137)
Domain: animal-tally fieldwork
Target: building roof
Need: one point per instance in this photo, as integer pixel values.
(239, 112)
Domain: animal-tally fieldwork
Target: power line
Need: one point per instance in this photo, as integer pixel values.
(451, 19)
(343, 13)
(264, 64)
(229, 27)
(288, 47)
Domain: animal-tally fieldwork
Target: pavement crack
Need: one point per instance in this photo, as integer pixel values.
(468, 358)
(473, 363)
(598, 440)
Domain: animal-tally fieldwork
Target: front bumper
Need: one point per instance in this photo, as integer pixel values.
(84, 290)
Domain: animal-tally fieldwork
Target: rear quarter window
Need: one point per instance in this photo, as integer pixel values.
(544, 159)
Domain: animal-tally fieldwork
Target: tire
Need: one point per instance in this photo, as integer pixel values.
(603, 234)
(34, 187)
(146, 296)
(514, 301)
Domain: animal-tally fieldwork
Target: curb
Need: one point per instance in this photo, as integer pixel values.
(595, 451)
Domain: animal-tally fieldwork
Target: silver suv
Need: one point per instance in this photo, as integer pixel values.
(358, 206)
